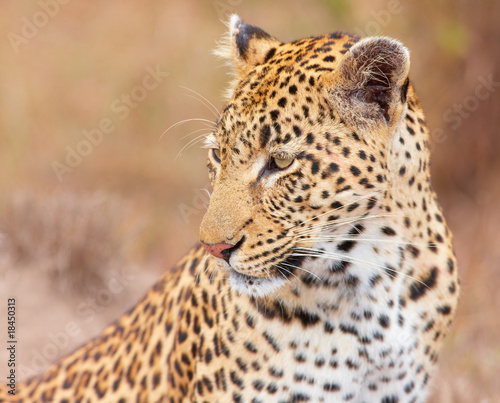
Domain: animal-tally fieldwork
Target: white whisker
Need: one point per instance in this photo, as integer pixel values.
(338, 256)
(204, 100)
(206, 122)
(190, 143)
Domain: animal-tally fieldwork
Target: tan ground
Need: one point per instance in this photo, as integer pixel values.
(82, 250)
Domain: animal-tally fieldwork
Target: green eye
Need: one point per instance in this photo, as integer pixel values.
(282, 163)
(216, 154)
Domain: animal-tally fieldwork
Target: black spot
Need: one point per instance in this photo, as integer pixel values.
(374, 280)
(333, 167)
(258, 384)
(237, 381)
(282, 102)
(274, 114)
(414, 251)
(306, 318)
(409, 387)
(278, 373)
(250, 347)
(348, 329)
(390, 399)
(250, 321)
(355, 170)
(433, 247)
(331, 387)
(270, 53)
(444, 310)
(383, 320)
(451, 266)
(292, 89)
(329, 59)
(339, 266)
(346, 246)
(418, 289)
(352, 207)
(388, 231)
(336, 205)
(297, 131)
(329, 328)
(299, 397)
(351, 281)
(272, 341)
(319, 362)
(314, 167)
(178, 368)
(298, 377)
(310, 138)
(182, 336)
(265, 135)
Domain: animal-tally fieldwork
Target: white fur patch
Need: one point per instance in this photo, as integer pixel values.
(258, 287)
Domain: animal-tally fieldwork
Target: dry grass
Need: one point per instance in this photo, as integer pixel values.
(65, 79)
(73, 240)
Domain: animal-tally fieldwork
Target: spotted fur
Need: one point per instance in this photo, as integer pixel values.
(331, 276)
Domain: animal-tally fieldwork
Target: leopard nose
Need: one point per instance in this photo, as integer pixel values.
(218, 250)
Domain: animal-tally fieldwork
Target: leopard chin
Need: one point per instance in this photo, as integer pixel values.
(257, 287)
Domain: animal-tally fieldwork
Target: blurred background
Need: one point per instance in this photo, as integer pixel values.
(102, 178)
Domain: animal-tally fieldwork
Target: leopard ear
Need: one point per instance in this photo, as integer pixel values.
(246, 46)
(371, 82)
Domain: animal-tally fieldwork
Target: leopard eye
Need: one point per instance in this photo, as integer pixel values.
(282, 163)
(216, 154)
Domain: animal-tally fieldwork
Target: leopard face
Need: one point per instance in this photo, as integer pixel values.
(302, 146)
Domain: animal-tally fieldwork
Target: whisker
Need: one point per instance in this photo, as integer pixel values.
(206, 122)
(335, 209)
(339, 223)
(193, 132)
(204, 100)
(286, 270)
(289, 272)
(381, 240)
(189, 144)
(300, 268)
(338, 256)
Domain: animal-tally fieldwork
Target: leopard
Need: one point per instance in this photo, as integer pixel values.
(325, 270)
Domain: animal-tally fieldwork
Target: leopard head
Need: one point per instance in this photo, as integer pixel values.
(301, 145)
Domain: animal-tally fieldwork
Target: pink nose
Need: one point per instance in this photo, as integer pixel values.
(217, 249)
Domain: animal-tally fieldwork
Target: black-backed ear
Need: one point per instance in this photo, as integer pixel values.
(371, 82)
(246, 46)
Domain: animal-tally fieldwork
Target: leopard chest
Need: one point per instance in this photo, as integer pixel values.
(270, 355)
